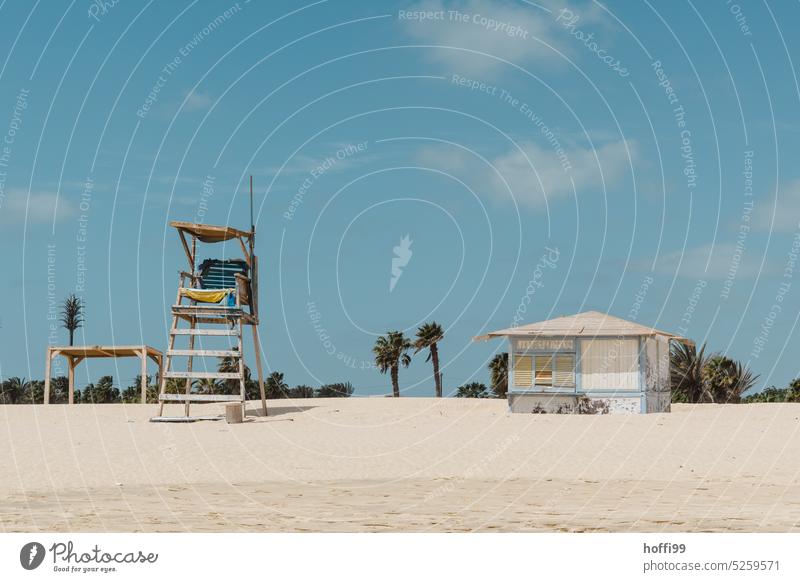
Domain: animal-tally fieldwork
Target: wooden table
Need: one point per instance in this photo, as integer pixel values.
(76, 354)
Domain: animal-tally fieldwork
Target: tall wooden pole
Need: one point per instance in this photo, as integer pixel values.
(257, 346)
(252, 226)
(252, 223)
(194, 257)
(254, 302)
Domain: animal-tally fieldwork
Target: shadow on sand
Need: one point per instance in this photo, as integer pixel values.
(275, 411)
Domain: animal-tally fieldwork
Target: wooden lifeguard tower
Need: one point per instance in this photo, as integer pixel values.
(215, 299)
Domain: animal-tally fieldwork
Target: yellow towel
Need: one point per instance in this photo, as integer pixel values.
(206, 295)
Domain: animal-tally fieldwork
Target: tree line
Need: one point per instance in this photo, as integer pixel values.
(391, 352)
(21, 391)
(695, 377)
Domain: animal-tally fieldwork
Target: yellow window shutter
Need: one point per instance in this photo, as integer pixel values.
(564, 370)
(523, 371)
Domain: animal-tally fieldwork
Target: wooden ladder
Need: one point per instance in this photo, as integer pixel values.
(231, 321)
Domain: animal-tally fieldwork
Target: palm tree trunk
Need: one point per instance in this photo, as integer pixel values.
(71, 332)
(436, 376)
(395, 382)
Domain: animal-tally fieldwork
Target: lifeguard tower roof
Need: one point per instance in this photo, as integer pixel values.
(209, 233)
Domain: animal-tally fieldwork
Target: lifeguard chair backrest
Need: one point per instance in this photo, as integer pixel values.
(221, 274)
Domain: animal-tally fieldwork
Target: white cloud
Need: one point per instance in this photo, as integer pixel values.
(537, 174)
(786, 209)
(487, 27)
(196, 101)
(725, 261)
(16, 207)
(587, 169)
(335, 157)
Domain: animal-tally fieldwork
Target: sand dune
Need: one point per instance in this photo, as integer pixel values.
(379, 464)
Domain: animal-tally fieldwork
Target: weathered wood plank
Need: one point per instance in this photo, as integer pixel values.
(203, 375)
(220, 332)
(208, 309)
(184, 418)
(205, 353)
(200, 397)
(196, 319)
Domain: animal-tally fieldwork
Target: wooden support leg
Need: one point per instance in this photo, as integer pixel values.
(160, 370)
(47, 365)
(242, 383)
(144, 377)
(257, 346)
(71, 379)
(189, 367)
(165, 367)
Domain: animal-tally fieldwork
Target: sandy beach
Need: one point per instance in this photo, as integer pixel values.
(380, 464)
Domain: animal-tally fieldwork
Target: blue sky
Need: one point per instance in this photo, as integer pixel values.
(651, 147)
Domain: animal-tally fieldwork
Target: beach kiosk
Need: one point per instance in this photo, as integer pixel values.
(590, 362)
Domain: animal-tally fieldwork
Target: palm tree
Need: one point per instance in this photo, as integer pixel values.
(101, 393)
(428, 337)
(686, 373)
(208, 385)
(275, 386)
(745, 380)
(696, 377)
(498, 373)
(34, 392)
(336, 390)
(72, 315)
(14, 390)
(174, 386)
(301, 391)
(59, 390)
(390, 352)
(727, 379)
(230, 365)
(473, 390)
(133, 393)
(793, 392)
